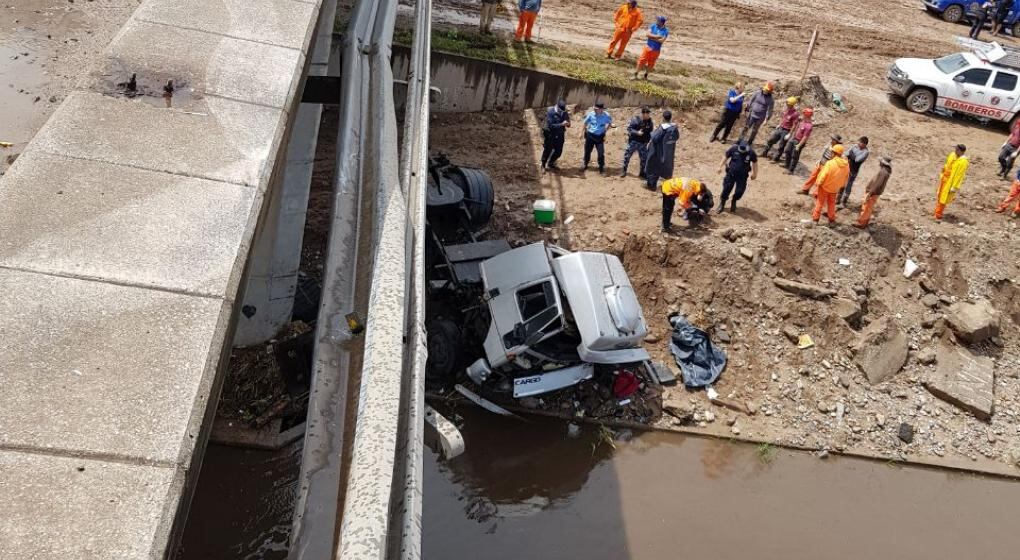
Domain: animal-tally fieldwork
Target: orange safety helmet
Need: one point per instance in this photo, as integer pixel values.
(808, 112)
(768, 87)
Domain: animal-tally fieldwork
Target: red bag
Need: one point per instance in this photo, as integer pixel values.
(625, 384)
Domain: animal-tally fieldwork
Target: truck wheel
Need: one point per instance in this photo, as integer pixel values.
(479, 195)
(921, 100)
(444, 349)
(1016, 29)
(953, 14)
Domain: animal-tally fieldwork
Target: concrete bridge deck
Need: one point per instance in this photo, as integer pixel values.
(125, 229)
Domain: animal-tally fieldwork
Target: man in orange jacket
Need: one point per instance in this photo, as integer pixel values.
(628, 20)
(1013, 196)
(831, 178)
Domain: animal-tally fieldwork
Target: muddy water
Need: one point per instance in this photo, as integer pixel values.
(528, 491)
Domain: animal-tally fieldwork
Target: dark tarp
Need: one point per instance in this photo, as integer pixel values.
(700, 361)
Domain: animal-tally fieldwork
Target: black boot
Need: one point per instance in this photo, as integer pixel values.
(722, 206)
(733, 205)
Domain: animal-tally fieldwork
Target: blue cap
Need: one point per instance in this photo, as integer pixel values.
(661, 19)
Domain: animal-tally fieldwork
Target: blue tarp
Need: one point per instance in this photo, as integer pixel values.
(700, 361)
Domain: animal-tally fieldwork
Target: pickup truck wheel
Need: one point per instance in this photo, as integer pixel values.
(921, 100)
(953, 14)
(1016, 29)
(444, 349)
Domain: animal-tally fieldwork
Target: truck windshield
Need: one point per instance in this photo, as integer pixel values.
(951, 63)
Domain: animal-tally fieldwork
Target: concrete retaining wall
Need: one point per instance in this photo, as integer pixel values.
(470, 85)
(125, 229)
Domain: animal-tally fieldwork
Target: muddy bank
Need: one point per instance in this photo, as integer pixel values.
(724, 277)
(529, 491)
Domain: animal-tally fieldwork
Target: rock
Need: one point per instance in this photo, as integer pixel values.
(848, 309)
(792, 333)
(824, 407)
(652, 338)
(882, 350)
(906, 433)
(844, 380)
(973, 322)
(929, 320)
(926, 357)
(730, 235)
(930, 300)
(823, 454)
(752, 407)
(927, 285)
(840, 411)
(722, 336)
(800, 288)
(735, 430)
(1014, 456)
(731, 420)
(879, 420)
(573, 430)
(709, 416)
(964, 379)
(747, 253)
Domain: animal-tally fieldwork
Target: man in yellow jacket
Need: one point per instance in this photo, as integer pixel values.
(628, 19)
(831, 179)
(678, 189)
(951, 179)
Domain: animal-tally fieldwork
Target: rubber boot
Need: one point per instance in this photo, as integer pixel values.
(733, 205)
(722, 206)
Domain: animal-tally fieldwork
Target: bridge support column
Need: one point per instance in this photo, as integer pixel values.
(276, 256)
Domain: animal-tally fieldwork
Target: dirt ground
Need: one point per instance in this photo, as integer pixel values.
(814, 398)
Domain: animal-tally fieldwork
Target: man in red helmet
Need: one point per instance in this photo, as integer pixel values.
(798, 138)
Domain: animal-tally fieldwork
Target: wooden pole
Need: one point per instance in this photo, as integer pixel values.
(810, 51)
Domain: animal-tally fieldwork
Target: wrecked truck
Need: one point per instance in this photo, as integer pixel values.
(525, 321)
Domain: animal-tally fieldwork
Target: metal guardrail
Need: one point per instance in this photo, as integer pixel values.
(361, 473)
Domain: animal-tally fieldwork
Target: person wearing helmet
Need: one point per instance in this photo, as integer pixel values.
(782, 132)
(639, 132)
(951, 179)
(627, 20)
(798, 138)
(855, 156)
(831, 178)
(873, 191)
(759, 111)
(834, 140)
(657, 35)
(679, 190)
(739, 161)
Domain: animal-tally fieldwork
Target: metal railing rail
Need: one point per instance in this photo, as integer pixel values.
(361, 474)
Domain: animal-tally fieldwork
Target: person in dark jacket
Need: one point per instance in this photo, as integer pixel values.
(639, 132)
(1001, 14)
(661, 151)
(874, 190)
(554, 132)
(855, 156)
(759, 111)
(731, 111)
(982, 9)
(740, 162)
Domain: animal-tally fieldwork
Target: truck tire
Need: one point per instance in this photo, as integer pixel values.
(953, 14)
(1015, 30)
(443, 337)
(921, 100)
(479, 196)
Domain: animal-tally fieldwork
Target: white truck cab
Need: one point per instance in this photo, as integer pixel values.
(983, 82)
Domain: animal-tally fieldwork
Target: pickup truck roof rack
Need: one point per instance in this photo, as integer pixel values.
(993, 52)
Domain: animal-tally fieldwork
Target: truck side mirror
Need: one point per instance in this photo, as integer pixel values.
(959, 78)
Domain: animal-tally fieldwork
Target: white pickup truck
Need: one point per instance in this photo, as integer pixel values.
(983, 83)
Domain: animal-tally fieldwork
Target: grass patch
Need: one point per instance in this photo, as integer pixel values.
(767, 453)
(681, 85)
(604, 437)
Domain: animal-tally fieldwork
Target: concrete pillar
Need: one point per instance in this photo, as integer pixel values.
(273, 272)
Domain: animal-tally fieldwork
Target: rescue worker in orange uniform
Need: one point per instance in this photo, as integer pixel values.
(679, 189)
(873, 191)
(831, 178)
(1014, 195)
(953, 172)
(834, 141)
(628, 19)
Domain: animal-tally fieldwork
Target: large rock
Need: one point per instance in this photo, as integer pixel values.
(964, 379)
(848, 309)
(973, 322)
(882, 351)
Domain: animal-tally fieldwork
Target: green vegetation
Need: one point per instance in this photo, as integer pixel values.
(604, 437)
(671, 81)
(767, 453)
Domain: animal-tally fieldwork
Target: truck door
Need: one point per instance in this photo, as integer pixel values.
(1003, 94)
(969, 92)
